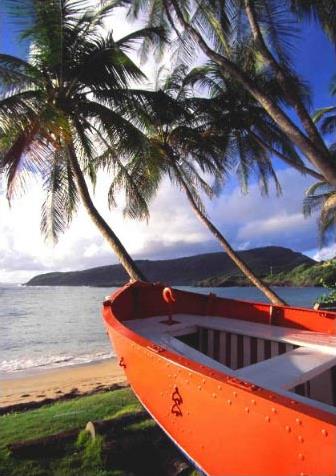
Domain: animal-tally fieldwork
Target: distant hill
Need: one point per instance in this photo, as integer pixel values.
(213, 269)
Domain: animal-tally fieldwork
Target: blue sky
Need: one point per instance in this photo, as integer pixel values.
(247, 221)
(9, 33)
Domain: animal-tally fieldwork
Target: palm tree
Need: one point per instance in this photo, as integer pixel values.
(326, 116)
(265, 28)
(64, 103)
(182, 145)
(232, 112)
(321, 195)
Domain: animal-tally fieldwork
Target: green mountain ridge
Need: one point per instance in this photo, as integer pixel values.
(211, 269)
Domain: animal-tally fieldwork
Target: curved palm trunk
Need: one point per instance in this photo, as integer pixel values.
(291, 96)
(319, 158)
(126, 261)
(274, 298)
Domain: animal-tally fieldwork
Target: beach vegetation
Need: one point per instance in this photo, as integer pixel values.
(303, 275)
(328, 299)
(319, 274)
(92, 452)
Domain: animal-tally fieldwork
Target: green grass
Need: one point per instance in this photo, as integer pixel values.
(62, 416)
(83, 457)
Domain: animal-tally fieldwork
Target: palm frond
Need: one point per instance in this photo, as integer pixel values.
(61, 197)
(320, 113)
(17, 73)
(280, 28)
(184, 181)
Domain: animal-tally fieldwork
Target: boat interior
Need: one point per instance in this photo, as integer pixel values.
(297, 363)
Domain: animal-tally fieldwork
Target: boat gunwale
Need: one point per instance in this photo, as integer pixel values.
(111, 320)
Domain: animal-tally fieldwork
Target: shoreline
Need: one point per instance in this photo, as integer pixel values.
(47, 368)
(58, 382)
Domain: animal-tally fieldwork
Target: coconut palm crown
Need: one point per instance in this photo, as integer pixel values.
(321, 196)
(69, 99)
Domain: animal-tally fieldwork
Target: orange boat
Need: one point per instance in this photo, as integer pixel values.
(242, 388)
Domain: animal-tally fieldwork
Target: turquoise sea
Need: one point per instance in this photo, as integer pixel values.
(47, 327)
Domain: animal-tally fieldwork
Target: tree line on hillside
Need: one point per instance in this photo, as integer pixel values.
(78, 105)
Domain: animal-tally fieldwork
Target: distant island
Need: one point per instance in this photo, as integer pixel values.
(276, 265)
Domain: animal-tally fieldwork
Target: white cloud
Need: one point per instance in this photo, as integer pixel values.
(255, 220)
(326, 253)
(173, 230)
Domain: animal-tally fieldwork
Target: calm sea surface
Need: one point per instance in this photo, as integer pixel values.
(45, 327)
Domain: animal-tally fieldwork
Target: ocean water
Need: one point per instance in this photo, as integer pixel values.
(48, 327)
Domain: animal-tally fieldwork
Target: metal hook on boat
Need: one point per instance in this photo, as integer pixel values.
(169, 297)
(177, 399)
(122, 362)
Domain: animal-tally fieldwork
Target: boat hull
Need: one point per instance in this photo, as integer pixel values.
(226, 426)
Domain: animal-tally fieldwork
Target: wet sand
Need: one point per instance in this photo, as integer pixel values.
(54, 383)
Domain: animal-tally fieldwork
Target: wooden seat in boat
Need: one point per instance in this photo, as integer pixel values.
(288, 370)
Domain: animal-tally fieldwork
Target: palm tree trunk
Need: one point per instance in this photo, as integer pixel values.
(293, 99)
(244, 268)
(321, 160)
(126, 261)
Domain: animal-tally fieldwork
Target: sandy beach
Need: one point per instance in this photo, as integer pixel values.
(54, 383)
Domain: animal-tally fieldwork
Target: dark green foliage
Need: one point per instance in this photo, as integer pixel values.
(330, 298)
(92, 452)
(248, 136)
